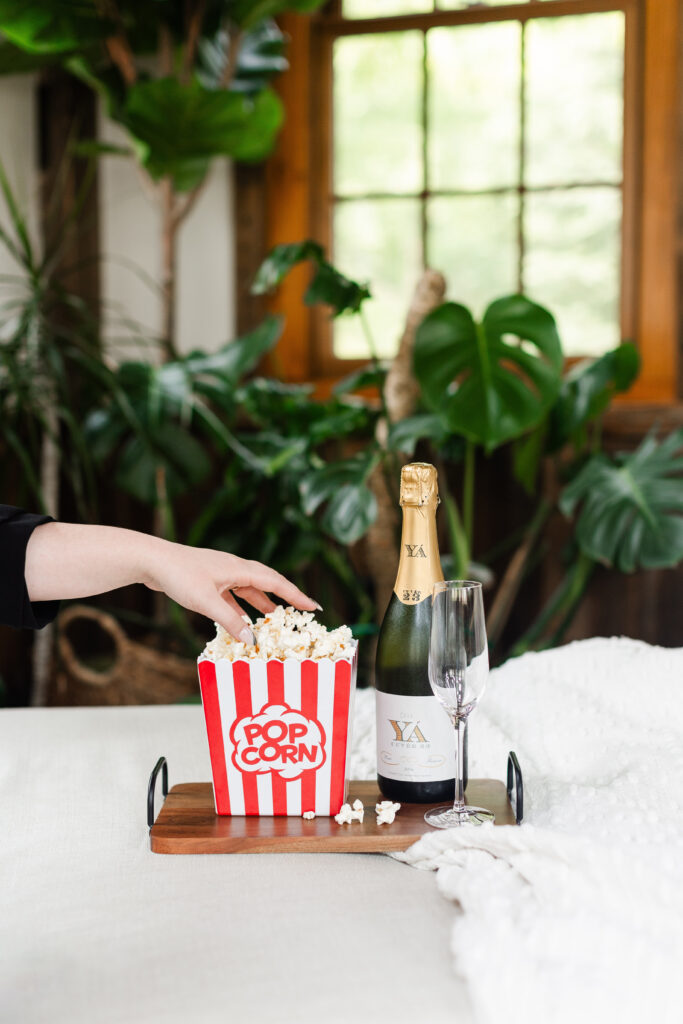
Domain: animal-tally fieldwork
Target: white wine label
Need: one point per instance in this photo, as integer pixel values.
(415, 739)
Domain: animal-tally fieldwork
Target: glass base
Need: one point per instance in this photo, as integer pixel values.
(446, 816)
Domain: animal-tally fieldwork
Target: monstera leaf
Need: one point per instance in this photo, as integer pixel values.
(588, 389)
(631, 510)
(177, 128)
(489, 381)
(328, 285)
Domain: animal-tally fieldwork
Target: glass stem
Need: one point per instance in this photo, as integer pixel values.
(460, 726)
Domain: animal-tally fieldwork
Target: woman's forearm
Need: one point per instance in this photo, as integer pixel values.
(64, 561)
(68, 560)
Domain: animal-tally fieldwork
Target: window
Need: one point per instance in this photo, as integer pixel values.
(514, 146)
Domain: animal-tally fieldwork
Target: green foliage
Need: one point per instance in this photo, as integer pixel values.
(587, 390)
(153, 413)
(630, 510)
(479, 379)
(50, 367)
(585, 393)
(41, 26)
(328, 286)
(179, 128)
(205, 98)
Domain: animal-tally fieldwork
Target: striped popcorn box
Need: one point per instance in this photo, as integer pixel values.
(279, 733)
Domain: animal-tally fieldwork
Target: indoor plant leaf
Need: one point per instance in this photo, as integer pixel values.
(404, 435)
(323, 483)
(249, 12)
(281, 260)
(177, 128)
(587, 390)
(479, 378)
(327, 286)
(239, 356)
(350, 513)
(332, 288)
(631, 509)
(171, 447)
(261, 57)
(42, 26)
(369, 376)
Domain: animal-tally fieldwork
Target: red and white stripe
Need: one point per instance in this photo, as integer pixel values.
(322, 690)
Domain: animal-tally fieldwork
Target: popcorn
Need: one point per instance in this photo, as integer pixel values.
(386, 812)
(284, 633)
(348, 814)
(308, 815)
(345, 816)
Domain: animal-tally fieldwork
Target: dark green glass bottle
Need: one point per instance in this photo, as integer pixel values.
(415, 737)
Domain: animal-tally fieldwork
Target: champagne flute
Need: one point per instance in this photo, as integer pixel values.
(458, 667)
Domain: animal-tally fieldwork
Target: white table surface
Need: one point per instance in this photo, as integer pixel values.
(95, 928)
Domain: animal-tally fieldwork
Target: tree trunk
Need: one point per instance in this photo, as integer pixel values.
(169, 232)
(401, 392)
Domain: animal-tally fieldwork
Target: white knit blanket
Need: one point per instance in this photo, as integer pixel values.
(577, 915)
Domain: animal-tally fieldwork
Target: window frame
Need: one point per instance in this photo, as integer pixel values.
(298, 178)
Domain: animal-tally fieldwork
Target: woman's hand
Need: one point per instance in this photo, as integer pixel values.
(207, 582)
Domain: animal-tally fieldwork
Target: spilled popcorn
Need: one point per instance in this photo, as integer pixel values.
(347, 814)
(284, 633)
(386, 812)
(308, 815)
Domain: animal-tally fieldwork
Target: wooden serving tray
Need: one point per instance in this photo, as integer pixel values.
(188, 823)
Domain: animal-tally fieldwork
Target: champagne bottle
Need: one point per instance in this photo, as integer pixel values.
(415, 738)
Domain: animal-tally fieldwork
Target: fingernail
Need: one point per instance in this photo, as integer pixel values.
(318, 606)
(246, 636)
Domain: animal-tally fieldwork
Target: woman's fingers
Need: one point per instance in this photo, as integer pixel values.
(224, 609)
(265, 579)
(256, 598)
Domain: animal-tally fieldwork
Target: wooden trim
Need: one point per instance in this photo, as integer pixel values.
(532, 9)
(657, 333)
(631, 170)
(288, 200)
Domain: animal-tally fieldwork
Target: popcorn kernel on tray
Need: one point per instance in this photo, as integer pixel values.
(386, 812)
(283, 633)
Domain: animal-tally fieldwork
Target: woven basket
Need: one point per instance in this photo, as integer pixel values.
(139, 674)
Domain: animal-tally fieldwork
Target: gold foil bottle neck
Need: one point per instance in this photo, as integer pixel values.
(419, 485)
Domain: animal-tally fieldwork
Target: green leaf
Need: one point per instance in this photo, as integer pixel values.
(350, 513)
(261, 58)
(587, 390)
(249, 12)
(17, 61)
(369, 376)
(281, 260)
(331, 288)
(487, 386)
(179, 128)
(43, 26)
(527, 454)
(91, 147)
(238, 357)
(322, 484)
(630, 510)
(172, 448)
(404, 435)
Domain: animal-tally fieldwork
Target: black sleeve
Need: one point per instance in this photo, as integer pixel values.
(16, 610)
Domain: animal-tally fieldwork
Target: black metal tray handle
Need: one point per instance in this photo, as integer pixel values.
(515, 779)
(160, 766)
